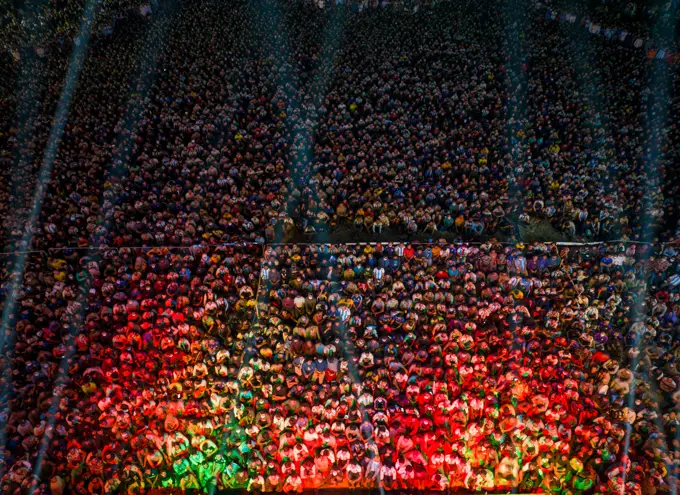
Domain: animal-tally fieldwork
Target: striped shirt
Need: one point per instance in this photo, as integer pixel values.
(345, 313)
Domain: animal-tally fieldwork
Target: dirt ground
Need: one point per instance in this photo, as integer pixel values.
(542, 231)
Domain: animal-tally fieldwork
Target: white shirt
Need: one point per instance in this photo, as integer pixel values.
(344, 313)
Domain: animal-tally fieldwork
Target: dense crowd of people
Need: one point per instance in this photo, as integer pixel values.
(216, 126)
(640, 18)
(160, 329)
(26, 26)
(420, 366)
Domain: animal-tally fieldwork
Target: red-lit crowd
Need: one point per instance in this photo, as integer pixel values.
(419, 366)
